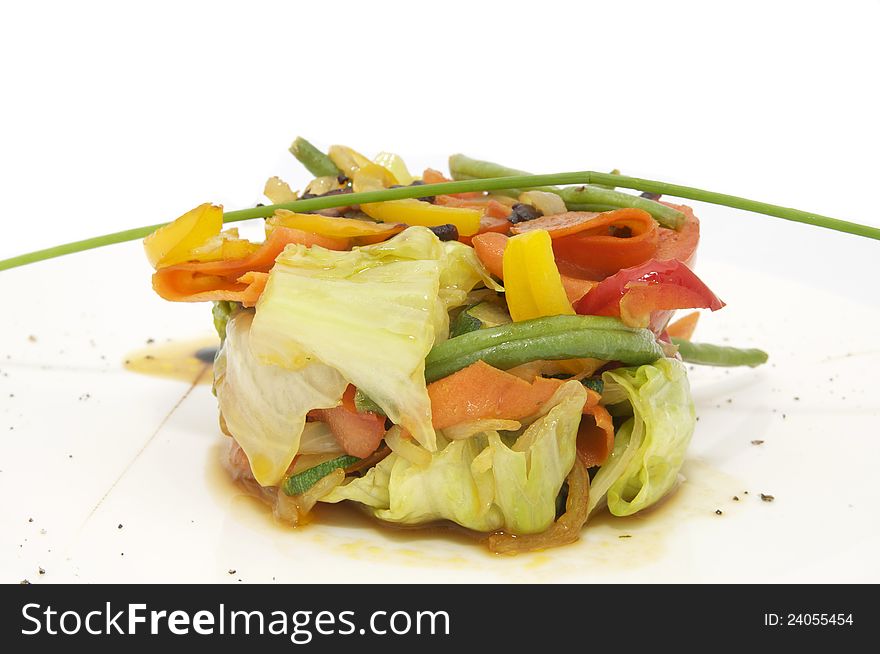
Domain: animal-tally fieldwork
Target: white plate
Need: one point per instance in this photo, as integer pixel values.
(111, 476)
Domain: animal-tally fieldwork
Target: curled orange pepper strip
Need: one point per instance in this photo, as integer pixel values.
(590, 244)
(224, 280)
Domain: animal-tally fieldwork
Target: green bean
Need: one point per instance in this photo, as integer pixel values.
(463, 167)
(315, 161)
(590, 207)
(719, 355)
(303, 481)
(593, 194)
(554, 337)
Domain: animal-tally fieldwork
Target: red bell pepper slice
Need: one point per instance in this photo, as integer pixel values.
(647, 294)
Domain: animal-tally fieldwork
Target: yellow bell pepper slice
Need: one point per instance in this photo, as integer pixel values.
(415, 212)
(223, 247)
(532, 284)
(372, 177)
(346, 159)
(394, 164)
(331, 226)
(173, 243)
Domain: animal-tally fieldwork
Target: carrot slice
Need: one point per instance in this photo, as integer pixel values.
(497, 209)
(576, 288)
(222, 280)
(607, 243)
(684, 327)
(431, 176)
(490, 250)
(559, 224)
(481, 391)
(680, 244)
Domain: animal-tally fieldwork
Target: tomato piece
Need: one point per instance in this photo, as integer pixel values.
(646, 295)
(680, 244)
(358, 434)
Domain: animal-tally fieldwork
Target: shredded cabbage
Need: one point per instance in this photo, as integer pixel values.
(462, 271)
(371, 314)
(481, 482)
(649, 448)
(264, 406)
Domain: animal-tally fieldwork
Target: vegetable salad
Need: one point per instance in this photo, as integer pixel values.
(503, 359)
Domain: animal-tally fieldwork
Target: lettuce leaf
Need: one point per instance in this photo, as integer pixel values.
(462, 270)
(372, 314)
(264, 406)
(481, 482)
(649, 448)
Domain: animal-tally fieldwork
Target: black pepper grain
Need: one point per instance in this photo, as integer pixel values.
(757, 442)
(718, 512)
(767, 498)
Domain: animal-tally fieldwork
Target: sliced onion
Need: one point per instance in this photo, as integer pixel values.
(305, 501)
(547, 203)
(404, 447)
(469, 429)
(318, 438)
(278, 191)
(303, 462)
(322, 185)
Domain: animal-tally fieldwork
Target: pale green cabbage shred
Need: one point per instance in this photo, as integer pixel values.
(649, 448)
(265, 406)
(481, 482)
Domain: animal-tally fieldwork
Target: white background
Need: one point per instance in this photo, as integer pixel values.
(113, 116)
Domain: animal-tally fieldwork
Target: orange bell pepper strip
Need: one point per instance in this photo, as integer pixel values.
(222, 280)
(598, 244)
